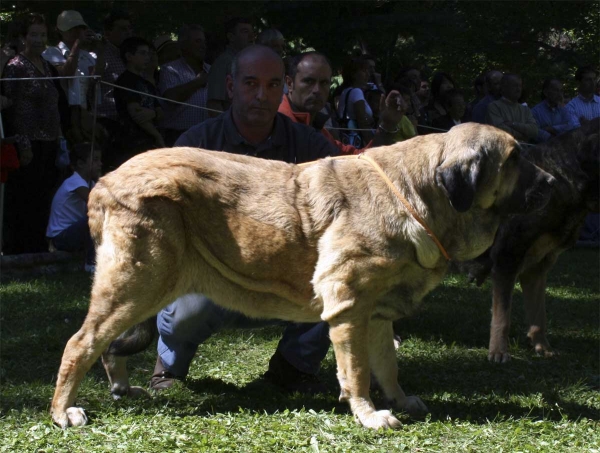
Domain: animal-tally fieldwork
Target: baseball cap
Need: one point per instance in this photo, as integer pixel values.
(69, 19)
(162, 41)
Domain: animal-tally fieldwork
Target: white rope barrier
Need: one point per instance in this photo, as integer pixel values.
(160, 98)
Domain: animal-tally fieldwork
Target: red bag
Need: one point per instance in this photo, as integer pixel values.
(9, 160)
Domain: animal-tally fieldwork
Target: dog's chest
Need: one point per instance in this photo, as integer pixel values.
(404, 298)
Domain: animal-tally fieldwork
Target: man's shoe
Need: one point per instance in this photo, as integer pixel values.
(290, 379)
(161, 378)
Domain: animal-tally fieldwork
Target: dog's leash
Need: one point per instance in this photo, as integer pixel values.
(404, 201)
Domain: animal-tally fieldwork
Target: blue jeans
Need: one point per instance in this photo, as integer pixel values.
(75, 238)
(193, 318)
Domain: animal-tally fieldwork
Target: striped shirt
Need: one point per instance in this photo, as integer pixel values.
(177, 116)
(556, 117)
(581, 107)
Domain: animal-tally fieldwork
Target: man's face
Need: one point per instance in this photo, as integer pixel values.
(195, 45)
(415, 77)
(96, 165)
(495, 84)
(120, 31)
(424, 91)
(257, 89)
(242, 37)
(457, 107)
(140, 60)
(554, 93)
(75, 33)
(512, 88)
(587, 84)
(310, 88)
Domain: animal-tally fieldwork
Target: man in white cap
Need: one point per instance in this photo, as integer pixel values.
(70, 59)
(167, 50)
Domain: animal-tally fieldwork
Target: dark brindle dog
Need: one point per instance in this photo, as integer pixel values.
(527, 246)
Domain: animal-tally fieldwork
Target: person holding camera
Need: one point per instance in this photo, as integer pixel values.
(70, 59)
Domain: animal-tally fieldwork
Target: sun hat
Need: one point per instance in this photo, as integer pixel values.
(69, 19)
(162, 41)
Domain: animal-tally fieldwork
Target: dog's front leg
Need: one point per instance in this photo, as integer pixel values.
(533, 282)
(382, 356)
(503, 286)
(349, 338)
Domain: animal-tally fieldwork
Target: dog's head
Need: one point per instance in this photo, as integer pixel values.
(482, 167)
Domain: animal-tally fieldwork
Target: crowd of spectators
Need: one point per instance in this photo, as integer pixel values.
(148, 93)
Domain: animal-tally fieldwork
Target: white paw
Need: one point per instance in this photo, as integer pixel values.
(544, 350)
(499, 357)
(76, 416)
(379, 419)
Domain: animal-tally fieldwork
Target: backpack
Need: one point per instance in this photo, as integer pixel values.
(349, 136)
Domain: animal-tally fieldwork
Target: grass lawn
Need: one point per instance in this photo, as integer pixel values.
(531, 404)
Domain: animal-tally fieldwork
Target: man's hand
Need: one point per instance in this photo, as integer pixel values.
(391, 110)
(202, 78)
(551, 130)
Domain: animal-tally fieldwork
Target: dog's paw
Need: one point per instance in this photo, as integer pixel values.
(499, 357)
(136, 392)
(414, 406)
(378, 420)
(73, 416)
(544, 350)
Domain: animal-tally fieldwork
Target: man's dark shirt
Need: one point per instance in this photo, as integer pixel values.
(132, 137)
(289, 142)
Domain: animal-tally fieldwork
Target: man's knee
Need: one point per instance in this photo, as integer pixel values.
(192, 317)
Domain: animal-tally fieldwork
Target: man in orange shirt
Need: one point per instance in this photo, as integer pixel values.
(308, 79)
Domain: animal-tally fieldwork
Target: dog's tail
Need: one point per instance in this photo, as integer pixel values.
(134, 340)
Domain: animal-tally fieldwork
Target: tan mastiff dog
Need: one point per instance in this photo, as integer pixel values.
(327, 241)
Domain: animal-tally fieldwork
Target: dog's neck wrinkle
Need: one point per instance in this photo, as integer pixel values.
(412, 181)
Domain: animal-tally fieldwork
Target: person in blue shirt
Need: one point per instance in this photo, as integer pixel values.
(553, 119)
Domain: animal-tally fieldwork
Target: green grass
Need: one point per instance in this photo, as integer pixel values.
(531, 404)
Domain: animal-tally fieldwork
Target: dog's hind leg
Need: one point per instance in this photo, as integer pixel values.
(110, 314)
(130, 285)
(114, 359)
(382, 358)
(82, 350)
(533, 282)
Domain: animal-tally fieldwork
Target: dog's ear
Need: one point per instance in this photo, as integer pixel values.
(459, 180)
